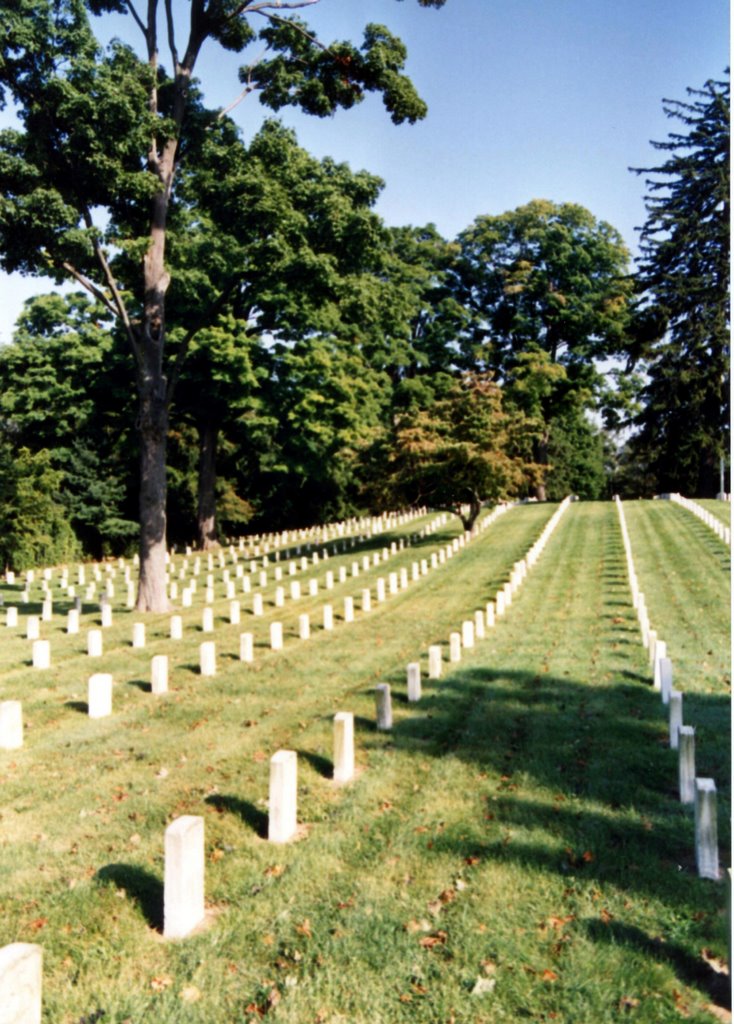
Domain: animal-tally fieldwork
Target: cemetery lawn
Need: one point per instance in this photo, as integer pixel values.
(514, 850)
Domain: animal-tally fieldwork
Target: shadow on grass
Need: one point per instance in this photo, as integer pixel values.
(142, 684)
(249, 813)
(692, 970)
(320, 764)
(77, 705)
(141, 886)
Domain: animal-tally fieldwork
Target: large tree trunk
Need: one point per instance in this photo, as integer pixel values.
(153, 426)
(207, 506)
(542, 459)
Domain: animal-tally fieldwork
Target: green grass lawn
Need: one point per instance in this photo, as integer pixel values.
(513, 850)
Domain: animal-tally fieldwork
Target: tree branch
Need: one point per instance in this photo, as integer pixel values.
(136, 18)
(171, 35)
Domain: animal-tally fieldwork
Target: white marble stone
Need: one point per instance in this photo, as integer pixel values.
(247, 643)
(328, 617)
(235, 611)
(349, 609)
(32, 628)
(72, 621)
(11, 725)
(479, 622)
(282, 804)
(99, 695)
(366, 600)
(257, 604)
(434, 661)
(383, 707)
(343, 746)
(455, 647)
(94, 643)
(675, 716)
(159, 674)
(138, 634)
(11, 617)
(687, 764)
(21, 980)
(208, 658)
(183, 886)
(304, 626)
(666, 678)
(276, 636)
(41, 654)
(489, 613)
(414, 682)
(176, 627)
(706, 828)
(467, 633)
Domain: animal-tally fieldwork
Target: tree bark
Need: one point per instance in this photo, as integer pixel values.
(153, 427)
(207, 507)
(542, 458)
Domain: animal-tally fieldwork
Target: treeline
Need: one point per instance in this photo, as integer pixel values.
(335, 365)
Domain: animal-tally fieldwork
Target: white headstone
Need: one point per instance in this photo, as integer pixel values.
(11, 616)
(21, 979)
(489, 613)
(41, 654)
(380, 588)
(343, 746)
(176, 627)
(666, 678)
(295, 590)
(434, 661)
(675, 716)
(282, 815)
(47, 610)
(467, 634)
(94, 643)
(499, 603)
(11, 725)
(159, 673)
(707, 839)
(234, 612)
(687, 764)
(383, 706)
(304, 626)
(276, 636)
(99, 695)
(414, 682)
(479, 621)
(138, 634)
(32, 628)
(349, 609)
(455, 647)
(208, 658)
(183, 886)
(328, 617)
(246, 647)
(279, 597)
(257, 604)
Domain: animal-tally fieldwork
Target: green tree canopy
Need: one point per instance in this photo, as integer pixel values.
(683, 278)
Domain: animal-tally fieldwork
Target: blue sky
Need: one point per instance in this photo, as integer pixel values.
(527, 99)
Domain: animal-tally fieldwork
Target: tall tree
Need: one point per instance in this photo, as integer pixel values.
(93, 171)
(683, 278)
(550, 279)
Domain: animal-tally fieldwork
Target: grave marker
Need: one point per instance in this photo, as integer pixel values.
(99, 695)
(706, 825)
(138, 634)
(675, 719)
(41, 654)
(21, 978)
(455, 647)
(467, 633)
(94, 643)
(159, 674)
(276, 636)
(343, 746)
(183, 885)
(383, 707)
(282, 817)
(434, 661)
(246, 647)
(208, 658)
(304, 627)
(32, 628)
(687, 764)
(414, 682)
(328, 617)
(11, 725)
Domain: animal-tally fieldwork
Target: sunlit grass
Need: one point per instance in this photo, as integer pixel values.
(513, 850)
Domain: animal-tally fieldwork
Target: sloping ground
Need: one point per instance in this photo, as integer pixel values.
(721, 509)
(514, 850)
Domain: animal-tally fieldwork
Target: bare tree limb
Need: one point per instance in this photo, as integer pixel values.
(171, 35)
(137, 19)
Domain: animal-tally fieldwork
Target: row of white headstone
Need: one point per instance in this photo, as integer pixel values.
(184, 907)
(712, 521)
(100, 684)
(701, 792)
(471, 629)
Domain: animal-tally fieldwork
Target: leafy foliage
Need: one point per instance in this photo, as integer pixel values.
(683, 278)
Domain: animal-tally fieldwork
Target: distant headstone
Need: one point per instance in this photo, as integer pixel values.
(706, 824)
(467, 634)
(675, 716)
(666, 678)
(366, 600)
(11, 617)
(32, 628)
(328, 617)
(343, 746)
(176, 627)
(246, 647)
(383, 707)
(138, 634)
(687, 764)
(234, 612)
(11, 725)
(276, 636)
(434, 661)
(257, 604)
(159, 674)
(99, 695)
(455, 647)
(94, 643)
(349, 609)
(208, 658)
(489, 612)
(414, 682)
(304, 626)
(41, 654)
(479, 621)
(183, 886)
